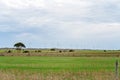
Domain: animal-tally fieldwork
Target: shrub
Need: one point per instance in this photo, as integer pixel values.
(53, 49)
(9, 51)
(105, 50)
(60, 51)
(39, 51)
(36, 51)
(25, 51)
(71, 50)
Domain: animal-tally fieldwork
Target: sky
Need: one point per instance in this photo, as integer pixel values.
(80, 24)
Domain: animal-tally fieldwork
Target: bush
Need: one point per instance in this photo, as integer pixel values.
(36, 51)
(60, 51)
(25, 51)
(39, 51)
(105, 50)
(52, 49)
(71, 50)
(9, 51)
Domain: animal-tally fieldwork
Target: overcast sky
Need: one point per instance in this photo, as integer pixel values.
(83, 24)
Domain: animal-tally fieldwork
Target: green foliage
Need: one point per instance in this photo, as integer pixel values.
(19, 45)
(25, 51)
(105, 50)
(53, 49)
(71, 50)
(9, 51)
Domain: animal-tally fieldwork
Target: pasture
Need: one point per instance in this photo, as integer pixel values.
(57, 68)
(60, 53)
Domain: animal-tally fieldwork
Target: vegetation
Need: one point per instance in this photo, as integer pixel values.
(71, 50)
(57, 68)
(19, 45)
(58, 64)
(53, 49)
(60, 53)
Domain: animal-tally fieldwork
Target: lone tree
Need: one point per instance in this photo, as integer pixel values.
(19, 45)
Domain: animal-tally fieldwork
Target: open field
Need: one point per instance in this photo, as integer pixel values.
(57, 68)
(60, 53)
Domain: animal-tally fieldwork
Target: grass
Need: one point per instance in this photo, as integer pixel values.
(57, 68)
(63, 53)
(56, 65)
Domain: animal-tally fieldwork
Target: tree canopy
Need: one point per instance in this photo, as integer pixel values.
(19, 45)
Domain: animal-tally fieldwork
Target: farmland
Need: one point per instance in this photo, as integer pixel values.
(60, 53)
(58, 64)
(57, 68)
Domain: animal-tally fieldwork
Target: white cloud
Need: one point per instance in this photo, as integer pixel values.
(72, 20)
(85, 31)
(27, 36)
(23, 4)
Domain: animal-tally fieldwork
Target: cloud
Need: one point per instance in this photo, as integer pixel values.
(22, 4)
(60, 20)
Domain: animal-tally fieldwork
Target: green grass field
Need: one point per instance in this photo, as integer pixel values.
(57, 68)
